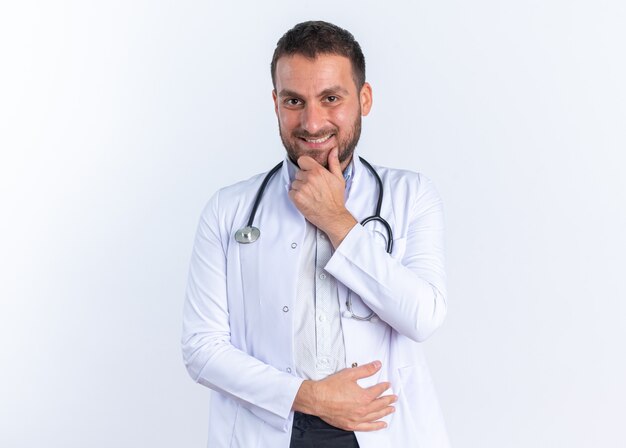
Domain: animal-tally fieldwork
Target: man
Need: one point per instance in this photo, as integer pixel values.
(309, 330)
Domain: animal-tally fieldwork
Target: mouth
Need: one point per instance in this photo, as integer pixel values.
(317, 142)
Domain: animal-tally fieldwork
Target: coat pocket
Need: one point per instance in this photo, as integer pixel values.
(418, 400)
(246, 429)
(409, 383)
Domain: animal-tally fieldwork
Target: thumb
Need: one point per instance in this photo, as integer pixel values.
(365, 370)
(333, 163)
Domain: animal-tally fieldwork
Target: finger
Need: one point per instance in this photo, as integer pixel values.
(377, 415)
(297, 185)
(296, 196)
(372, 426)
(365, 370)
(333, 163)
(352, 425)
(378, 389)
(382, 401)
(307, 163)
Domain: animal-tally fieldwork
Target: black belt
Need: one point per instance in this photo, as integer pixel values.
(310, 431)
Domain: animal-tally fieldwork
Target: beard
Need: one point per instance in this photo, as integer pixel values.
(345, 146)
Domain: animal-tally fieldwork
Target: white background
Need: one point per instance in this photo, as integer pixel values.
(119, 119)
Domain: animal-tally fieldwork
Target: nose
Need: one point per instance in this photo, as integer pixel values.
(313, 118)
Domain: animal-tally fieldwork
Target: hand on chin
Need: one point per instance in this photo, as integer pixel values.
(319, 155)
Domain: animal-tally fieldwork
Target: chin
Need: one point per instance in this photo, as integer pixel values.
(320, 156)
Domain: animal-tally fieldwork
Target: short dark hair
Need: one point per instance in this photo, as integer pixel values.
(317, 37)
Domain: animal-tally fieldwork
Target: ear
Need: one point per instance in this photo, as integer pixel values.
(365, 97)
(275, 98)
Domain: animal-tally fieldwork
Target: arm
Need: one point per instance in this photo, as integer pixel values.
(208, 354)
(408, 294)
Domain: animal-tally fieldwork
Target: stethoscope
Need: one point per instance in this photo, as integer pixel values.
(249, 233)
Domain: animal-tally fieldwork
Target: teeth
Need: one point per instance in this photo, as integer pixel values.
(319, 140)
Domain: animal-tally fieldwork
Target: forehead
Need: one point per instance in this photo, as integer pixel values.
(299, 73)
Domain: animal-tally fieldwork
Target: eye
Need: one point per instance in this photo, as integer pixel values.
(332, 98)
(293, 102)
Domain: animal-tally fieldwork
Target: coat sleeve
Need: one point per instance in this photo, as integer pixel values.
(208, 354)
(409, 293)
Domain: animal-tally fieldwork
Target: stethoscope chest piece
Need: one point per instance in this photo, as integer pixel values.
(247, 235)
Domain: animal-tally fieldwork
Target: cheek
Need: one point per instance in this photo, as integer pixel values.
(342, 119)
(288, 121)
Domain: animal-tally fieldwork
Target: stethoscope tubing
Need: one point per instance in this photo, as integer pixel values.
(259, 195)
(250, 234)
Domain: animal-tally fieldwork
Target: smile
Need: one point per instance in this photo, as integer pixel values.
(317, 140)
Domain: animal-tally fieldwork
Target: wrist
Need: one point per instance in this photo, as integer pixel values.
(340, 227)
(305, 400)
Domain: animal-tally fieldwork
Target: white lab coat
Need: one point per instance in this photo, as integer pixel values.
(238, 314)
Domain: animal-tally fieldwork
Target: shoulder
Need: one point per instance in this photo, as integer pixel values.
(240, 189)
(410, 191)
(228, 206)
(411, 182)
(234, 194)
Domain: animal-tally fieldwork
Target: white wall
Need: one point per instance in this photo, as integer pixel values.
(118, 120)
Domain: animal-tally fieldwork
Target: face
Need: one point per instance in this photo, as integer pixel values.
(319, 107)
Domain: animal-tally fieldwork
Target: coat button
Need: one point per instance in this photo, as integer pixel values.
(354, 364)
(285, 309)
(294, 245)
(288, 369)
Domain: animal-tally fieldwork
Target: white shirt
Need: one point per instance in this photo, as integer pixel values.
(319, 348)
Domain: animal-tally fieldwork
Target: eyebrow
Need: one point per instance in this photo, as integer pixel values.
(329, 91)
(334, 89)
